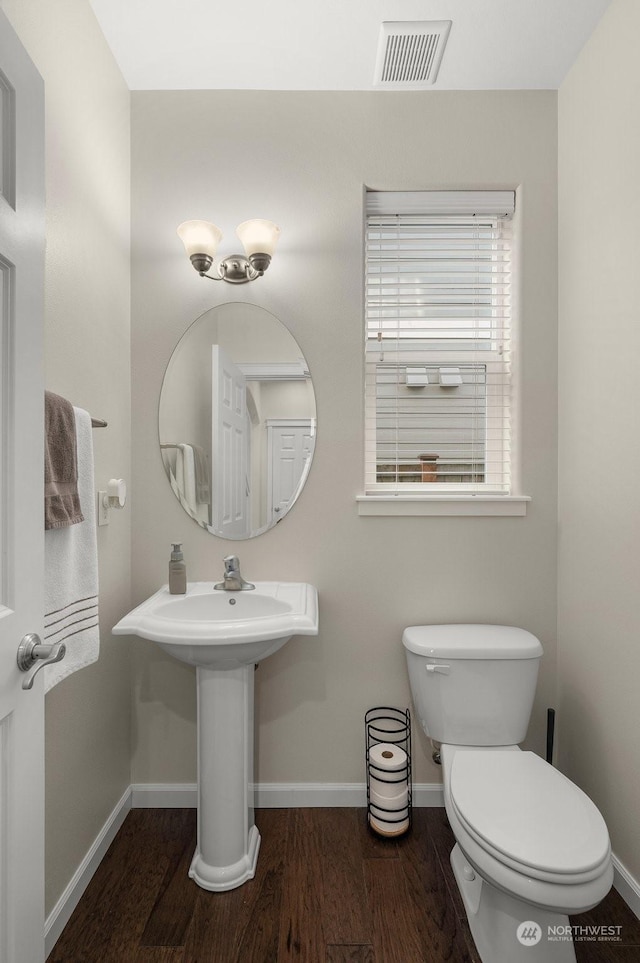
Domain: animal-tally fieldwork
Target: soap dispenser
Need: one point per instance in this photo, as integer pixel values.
(177, 571)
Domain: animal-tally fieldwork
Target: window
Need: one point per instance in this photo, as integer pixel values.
(438, 343)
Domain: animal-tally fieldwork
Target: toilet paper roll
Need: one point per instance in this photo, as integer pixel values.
(389, 814)
(387, 786)
(384, 828)
(389, 805)
(387, 769)
(388, 757)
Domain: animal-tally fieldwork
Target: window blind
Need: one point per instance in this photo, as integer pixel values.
(438, 342)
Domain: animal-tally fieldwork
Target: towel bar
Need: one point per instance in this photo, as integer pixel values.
(98, 423)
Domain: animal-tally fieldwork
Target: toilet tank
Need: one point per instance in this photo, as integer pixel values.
(472, 685)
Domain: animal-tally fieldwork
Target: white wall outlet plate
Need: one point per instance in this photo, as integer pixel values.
(102, 509)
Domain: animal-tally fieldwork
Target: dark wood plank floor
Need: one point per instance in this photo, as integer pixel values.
(326, 891)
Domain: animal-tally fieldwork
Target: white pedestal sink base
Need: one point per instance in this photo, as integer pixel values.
(220, 878)
(228, 840)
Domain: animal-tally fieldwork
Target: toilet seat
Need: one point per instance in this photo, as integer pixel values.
(557, 892)
(527, 815)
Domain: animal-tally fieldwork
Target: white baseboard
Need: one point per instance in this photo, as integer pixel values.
(627, 885)
(170, 795)
(312, 794)
(61, 912)
(276, 795)
(268, 796)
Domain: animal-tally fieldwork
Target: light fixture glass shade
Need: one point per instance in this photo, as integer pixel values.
(200, 237)
(258, 236)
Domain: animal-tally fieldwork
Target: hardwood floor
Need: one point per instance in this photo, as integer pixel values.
(326, 890)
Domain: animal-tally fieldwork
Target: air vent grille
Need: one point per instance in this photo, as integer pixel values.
(410, 53)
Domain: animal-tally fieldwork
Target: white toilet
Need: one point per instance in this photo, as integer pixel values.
(530, 846)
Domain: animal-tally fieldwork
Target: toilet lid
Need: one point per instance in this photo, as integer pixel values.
(525, 809)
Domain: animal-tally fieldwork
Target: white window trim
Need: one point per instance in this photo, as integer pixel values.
(372, 504)
(441, 202)
(376, 506)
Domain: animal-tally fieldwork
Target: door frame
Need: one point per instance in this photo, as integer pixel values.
(22, 229)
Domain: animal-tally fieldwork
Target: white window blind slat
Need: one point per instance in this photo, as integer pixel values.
(438, 294)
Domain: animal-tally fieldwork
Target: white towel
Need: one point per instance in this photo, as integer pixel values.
(186, 476)
(71, 573)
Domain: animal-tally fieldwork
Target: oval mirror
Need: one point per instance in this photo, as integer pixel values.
(237, 420)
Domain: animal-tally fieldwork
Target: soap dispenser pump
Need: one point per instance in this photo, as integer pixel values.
(177, 571)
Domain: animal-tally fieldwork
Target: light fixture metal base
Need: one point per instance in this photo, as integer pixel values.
(201, 262)
(260, 262)
(236, 269)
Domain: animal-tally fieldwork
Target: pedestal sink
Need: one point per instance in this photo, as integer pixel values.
(224, 634)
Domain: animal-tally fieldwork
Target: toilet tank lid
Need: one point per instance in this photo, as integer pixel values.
(465, 641)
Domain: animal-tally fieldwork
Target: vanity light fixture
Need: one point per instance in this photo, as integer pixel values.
(259, 239)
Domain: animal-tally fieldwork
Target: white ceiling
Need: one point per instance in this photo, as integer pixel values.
(331, 45)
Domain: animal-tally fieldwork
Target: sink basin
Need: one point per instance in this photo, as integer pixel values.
(209, 627)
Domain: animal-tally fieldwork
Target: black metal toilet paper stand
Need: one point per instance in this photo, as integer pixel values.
(385, 724)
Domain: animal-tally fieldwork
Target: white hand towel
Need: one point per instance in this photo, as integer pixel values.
(188, 477)
(71, 573)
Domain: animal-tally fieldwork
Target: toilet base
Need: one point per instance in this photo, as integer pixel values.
(496, 919)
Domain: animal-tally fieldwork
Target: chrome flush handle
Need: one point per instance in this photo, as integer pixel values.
(33, 652)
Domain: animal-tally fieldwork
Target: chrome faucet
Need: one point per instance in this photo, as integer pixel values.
(233, 580)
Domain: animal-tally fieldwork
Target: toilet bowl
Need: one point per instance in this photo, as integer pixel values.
(531, 847)
(527, 828)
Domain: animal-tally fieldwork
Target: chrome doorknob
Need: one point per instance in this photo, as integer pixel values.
(33, 652)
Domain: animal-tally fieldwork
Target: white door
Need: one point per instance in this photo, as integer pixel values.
(229, 447)
(290, 447)
(21, 499)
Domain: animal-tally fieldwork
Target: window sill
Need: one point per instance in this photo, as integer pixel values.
(398, 505)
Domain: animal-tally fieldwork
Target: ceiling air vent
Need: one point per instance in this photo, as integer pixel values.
(409, 53)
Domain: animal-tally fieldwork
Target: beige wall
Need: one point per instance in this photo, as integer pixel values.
(302, 159)
(599, 530)
(87, 360)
